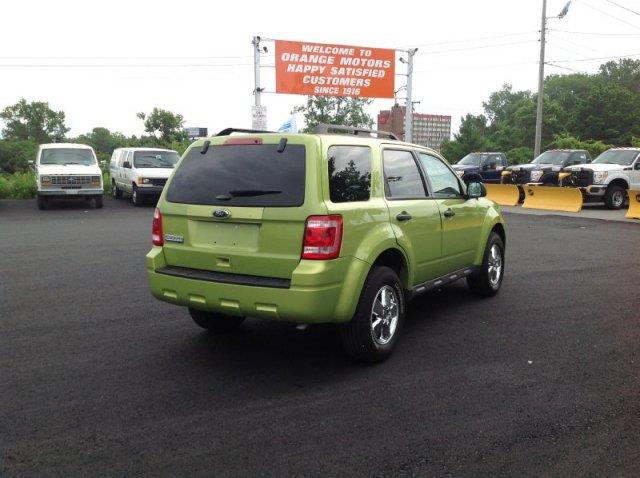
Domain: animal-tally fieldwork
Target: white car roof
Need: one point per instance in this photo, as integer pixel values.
(65, 145)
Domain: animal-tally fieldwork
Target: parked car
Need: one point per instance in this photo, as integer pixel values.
(68, 170)
(482, 167)
(608, 177)
(141, 173)
(544, 169)
(314, 228)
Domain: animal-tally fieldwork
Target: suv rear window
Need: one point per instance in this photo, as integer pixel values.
(241, 175)
(349, 173)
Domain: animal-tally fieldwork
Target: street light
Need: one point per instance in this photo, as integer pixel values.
(543, 40)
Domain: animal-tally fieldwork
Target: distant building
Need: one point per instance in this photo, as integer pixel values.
(428, 129)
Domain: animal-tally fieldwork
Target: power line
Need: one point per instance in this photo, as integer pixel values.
(123, 65)
(494, 45)
(466, 40)
(608, 14)
(599, 58)
(596, 33)
(623, 7)
(567, 68)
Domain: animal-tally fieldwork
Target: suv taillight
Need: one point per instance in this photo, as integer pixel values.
(322, 237)
(156, 229)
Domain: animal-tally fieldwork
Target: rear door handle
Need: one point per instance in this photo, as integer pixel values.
(403, 216)
(449, 213)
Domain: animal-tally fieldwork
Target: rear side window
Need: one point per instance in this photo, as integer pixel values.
(349, 173)
(401, 174)
(241, 175)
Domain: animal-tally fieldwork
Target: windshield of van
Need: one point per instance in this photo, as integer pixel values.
(155, 159)
(241, 175)
(617, 156)
(557, 158)
(63, 156)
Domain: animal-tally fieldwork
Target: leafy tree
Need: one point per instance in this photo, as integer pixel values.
(335, 110)
(167, 124)
(33, 121)
(566, 141)
(471, 137)
(521, 155)
(16, 154)
(624, 72)
(103, 140)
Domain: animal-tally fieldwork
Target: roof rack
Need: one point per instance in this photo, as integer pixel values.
(228, 131)
(329, 128)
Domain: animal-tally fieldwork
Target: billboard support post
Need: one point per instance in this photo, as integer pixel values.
(256, 70)
(408, 119)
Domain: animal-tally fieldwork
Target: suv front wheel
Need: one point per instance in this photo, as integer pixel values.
(373, 331)
(487, 280)
(614, 197)
(215, 322)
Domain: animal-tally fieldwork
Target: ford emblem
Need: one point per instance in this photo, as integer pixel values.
(221, 213)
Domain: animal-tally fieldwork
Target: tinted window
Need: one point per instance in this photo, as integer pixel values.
(241, 175)
(349, 173)
(443, 181)
(402, 177)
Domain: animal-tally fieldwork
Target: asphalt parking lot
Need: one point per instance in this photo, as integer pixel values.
(98, 378)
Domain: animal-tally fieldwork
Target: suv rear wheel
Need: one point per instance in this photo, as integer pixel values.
(372, 333)
(135, 197)
(614, 197)
(486, 282)
(215, 322)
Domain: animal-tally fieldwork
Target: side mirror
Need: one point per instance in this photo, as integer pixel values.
(126, 164)
(485, 166)
(492, 165)
(476, 190)
(637, 166)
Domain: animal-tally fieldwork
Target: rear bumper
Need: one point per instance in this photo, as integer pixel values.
(319, 291)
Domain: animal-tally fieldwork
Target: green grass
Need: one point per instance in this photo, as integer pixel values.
(17, 186)
(23, 185)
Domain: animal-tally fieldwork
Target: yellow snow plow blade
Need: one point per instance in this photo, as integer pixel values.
(634, 204)
(552, 198)
(503, 194)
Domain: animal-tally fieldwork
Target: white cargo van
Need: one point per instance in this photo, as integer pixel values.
(141, 172)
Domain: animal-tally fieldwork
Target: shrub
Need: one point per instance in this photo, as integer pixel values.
(16, 154)
(18, 186)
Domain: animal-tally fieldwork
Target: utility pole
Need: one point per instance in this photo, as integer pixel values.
(543, 31)
(408, 118)
(256, 70)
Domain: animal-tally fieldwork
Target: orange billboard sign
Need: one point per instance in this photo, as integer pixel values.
(304, 68)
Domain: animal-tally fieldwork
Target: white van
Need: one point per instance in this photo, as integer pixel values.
(141, 172)
(68, 170)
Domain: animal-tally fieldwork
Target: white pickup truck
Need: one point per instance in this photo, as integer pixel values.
(68, 170)
(608, 177)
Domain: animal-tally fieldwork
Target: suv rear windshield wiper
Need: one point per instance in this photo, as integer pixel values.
(245, 193)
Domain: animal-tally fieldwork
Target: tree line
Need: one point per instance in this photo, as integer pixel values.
(581, 111)
(28, 124)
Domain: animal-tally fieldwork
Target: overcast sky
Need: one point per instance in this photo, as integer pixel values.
(203, 56)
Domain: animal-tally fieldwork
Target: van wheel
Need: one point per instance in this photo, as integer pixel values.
(116, 191)
(42, 203)
(98, 202)
(487, 281)
(215, 322)
(372, 333)
(135, 197)
(614, 197)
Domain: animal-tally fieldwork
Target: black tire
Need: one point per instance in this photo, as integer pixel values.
(483, 283)
(116, 191)
(614, 197)
(214, 322)
(98, 202)
(42, 203)
(136, 198)
(358, 335)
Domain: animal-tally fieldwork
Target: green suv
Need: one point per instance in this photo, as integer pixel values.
(316, 228)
